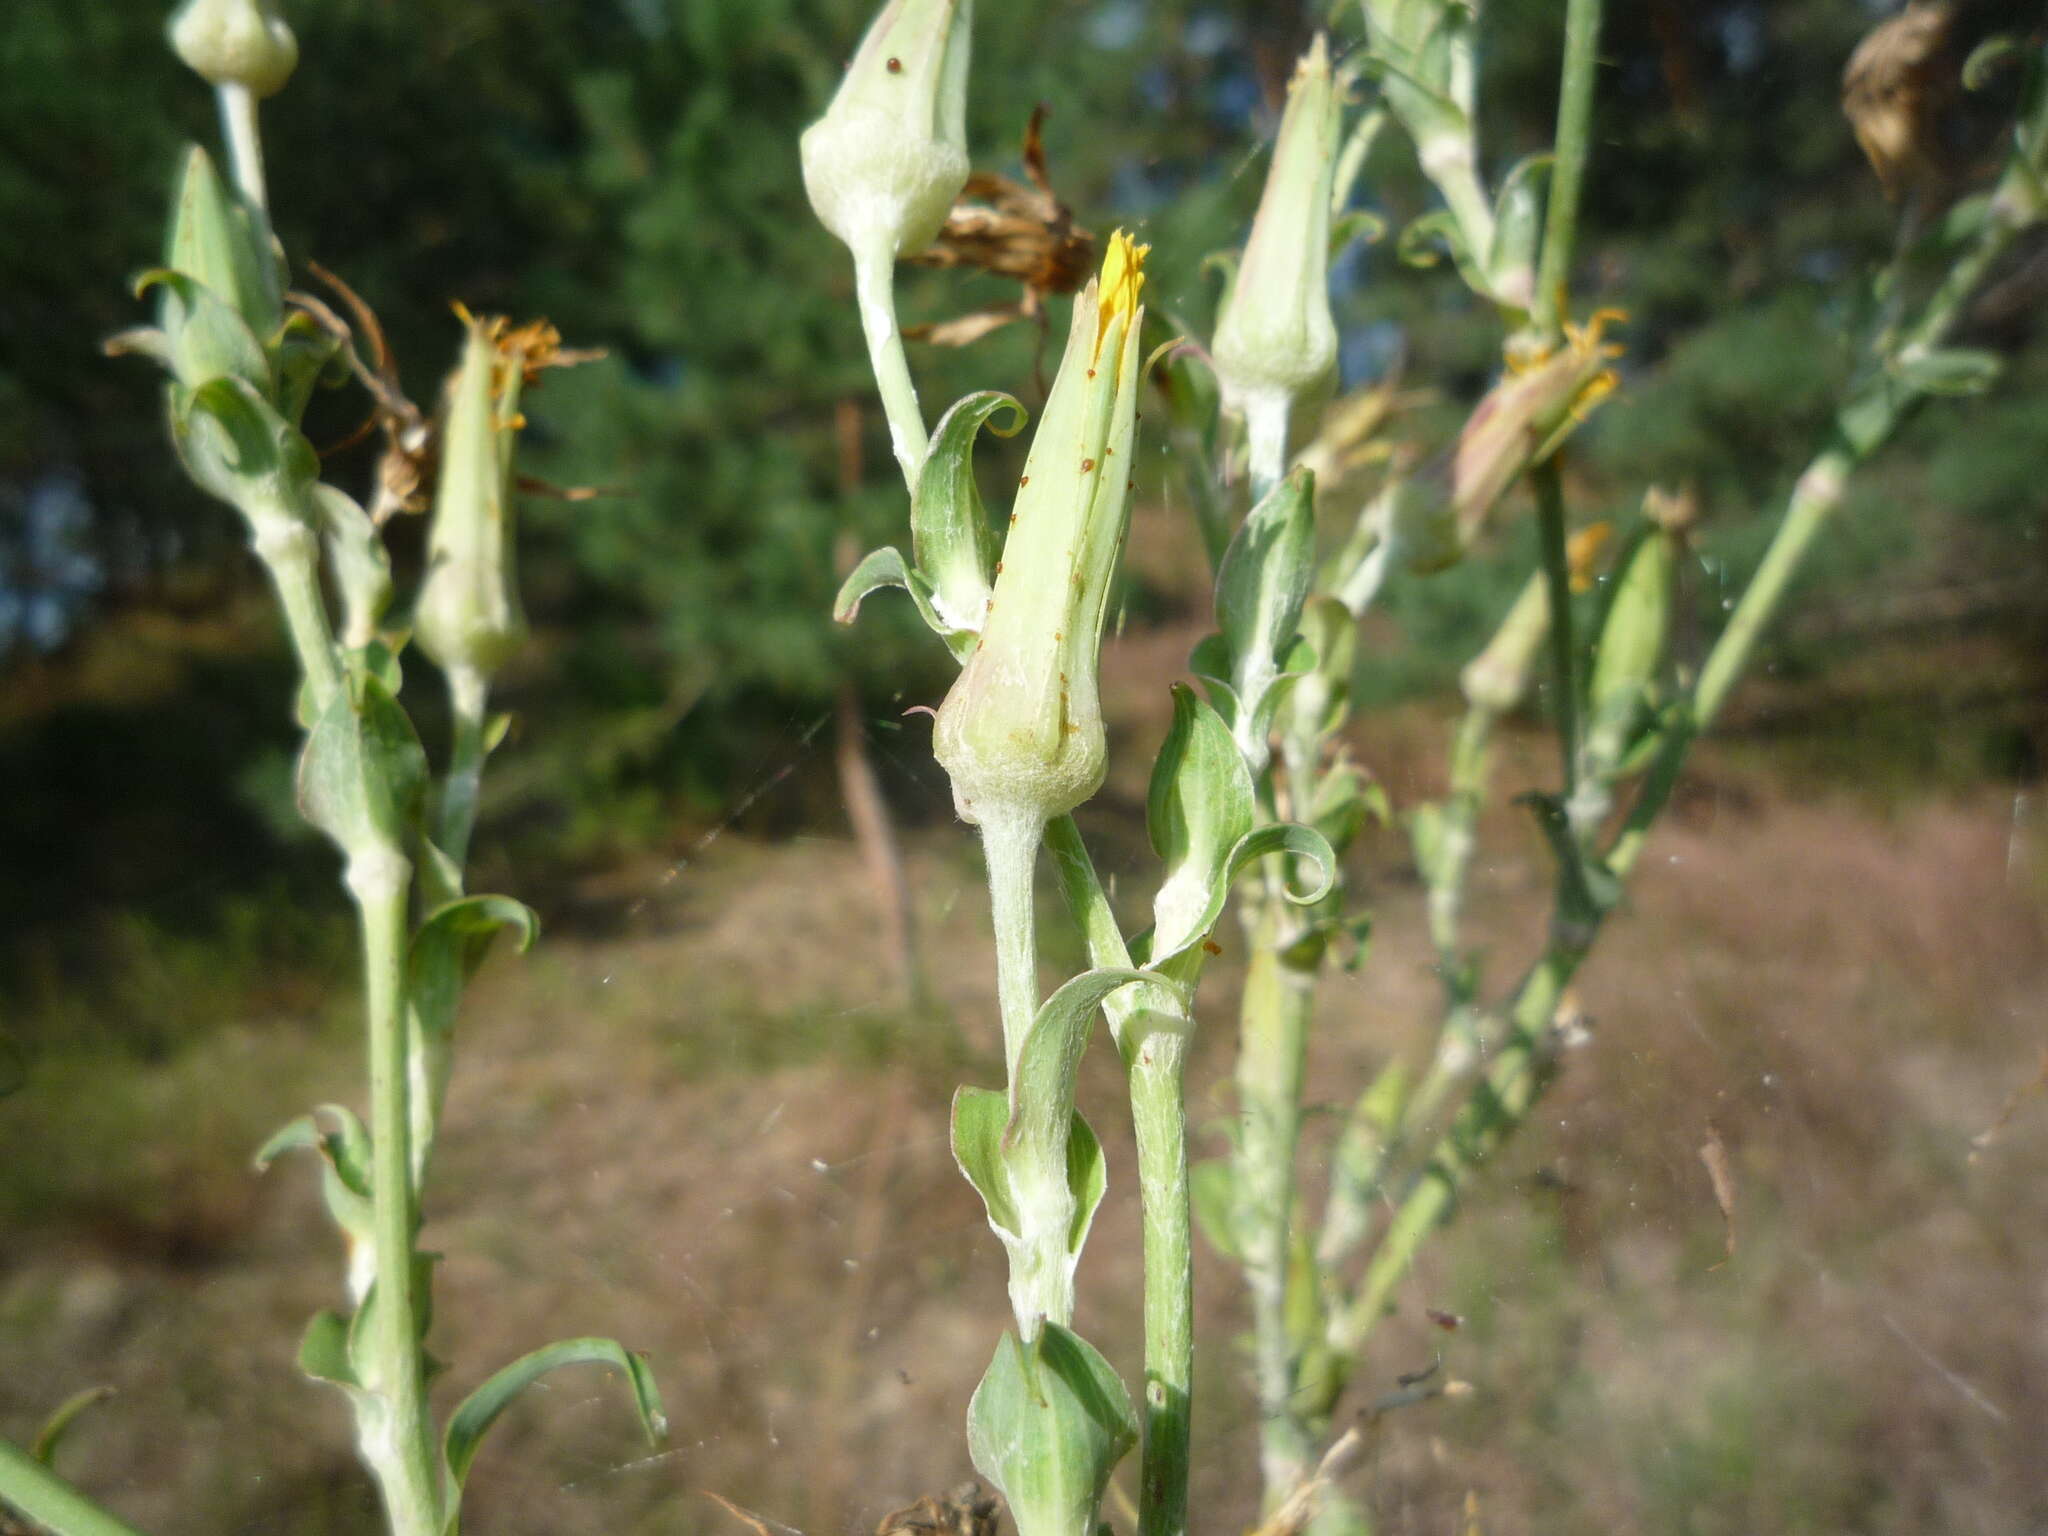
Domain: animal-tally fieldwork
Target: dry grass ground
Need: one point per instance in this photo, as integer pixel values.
(709, 1133)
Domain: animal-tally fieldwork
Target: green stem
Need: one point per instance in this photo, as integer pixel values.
(1035, 1147)
(1152, 1032)
(33, 1490)
(1010, 847)
(1159, 1116)
(1512, 1083)
(1574, 135)
(1550, 529)
(1448, 160)
(290, 552)
(1497, 1105)
(1273, 1036)
(874, 286)
(1265, 420)
(1471, 762)
(1210, 519)
(400, 1450)
(245, 141)
(468, 689)
(1351, 159)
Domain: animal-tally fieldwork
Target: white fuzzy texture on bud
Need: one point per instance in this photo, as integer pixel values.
(884, 164)
(236, 42)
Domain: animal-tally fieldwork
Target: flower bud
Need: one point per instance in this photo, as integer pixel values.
(1021, 731)
(236, 42)
(1497, 678)
(884, 164)
(218, 244)
(1275, 336)
(468, 615)
(1527, 415)
(1630, 649)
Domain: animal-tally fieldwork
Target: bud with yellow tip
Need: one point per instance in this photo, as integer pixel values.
(1021, 732)
(469, 618)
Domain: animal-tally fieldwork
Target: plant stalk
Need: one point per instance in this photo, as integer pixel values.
(1557, 579)
(1035, 1147)
(468, 691)
(1152, 1031)
(402, 1453)
(290, 552)
(1568, 172)
(245, 141)
(1159, 1117)
(33, 1490)
(1279, 1000)
(874, 286)
(1497, 1105)
(1265, 421)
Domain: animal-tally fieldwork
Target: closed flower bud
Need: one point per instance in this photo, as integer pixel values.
(468, 616)
(236, 42)
(219, 244)
(1021, 731)
(1275, 337)
(1497, 679)
(886, 161)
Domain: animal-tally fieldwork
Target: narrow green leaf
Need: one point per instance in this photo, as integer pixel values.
(58, 1424)
(208, 340)
(877, 569)
(952, 544)
(473, 1419)
(1087, 1177)
(356, 556)
(1051, 1052)
(324, 1350)
(1950, 370)
(885, 568)
(1212, 1192)
(979, 1116)
(1263, 583)
(1517, 226)
(1199, 805)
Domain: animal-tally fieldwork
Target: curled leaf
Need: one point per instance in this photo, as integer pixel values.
(473, 1419)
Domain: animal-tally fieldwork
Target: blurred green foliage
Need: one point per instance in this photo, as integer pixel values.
(628, 168)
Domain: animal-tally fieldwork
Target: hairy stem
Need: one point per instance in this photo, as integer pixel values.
(874, 286)
(245, 141)
(1279, 999)
(1159, 1116)
(1265, 420)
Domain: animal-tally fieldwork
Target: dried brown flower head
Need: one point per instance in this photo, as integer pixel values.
(1893, 89)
